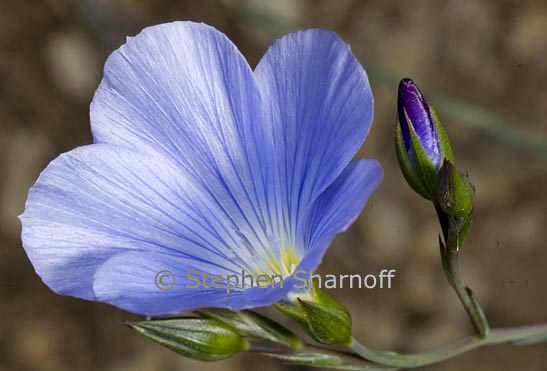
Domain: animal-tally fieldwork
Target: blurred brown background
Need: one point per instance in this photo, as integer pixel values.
(490, 53)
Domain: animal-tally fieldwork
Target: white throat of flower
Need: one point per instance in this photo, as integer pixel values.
(273, 258)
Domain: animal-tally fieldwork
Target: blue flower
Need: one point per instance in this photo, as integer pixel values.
(199, 163)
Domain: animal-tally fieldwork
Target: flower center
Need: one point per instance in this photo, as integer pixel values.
(285, 264)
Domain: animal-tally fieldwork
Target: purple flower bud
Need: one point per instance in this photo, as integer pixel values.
(420, 140)
(414, 111)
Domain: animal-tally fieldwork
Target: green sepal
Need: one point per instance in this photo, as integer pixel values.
(292, 310)
(404, 163)
(326, 324)
(254, 325)
(201, 339)
(442, 137)
(425, 171)
(320, 316)
(458, 230)
(421, 174)
(454, 191)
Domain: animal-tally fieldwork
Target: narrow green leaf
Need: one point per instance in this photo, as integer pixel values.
(321, 360)
(309, 359)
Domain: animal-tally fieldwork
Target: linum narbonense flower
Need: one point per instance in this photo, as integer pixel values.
(200, 163)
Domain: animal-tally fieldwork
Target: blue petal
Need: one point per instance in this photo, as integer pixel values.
(158, 284)
(318, 101)
(132, 281)
(183, 89)
(338, 207)
(98, 201)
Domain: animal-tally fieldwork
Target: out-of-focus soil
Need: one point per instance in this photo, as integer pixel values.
(490, 53)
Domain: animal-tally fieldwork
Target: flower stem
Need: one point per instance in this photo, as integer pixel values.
(516, 335)
(453, 228)
(472, 307)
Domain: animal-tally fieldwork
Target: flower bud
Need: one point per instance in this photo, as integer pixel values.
(201, 339)
(254, 325)
(322, 317)
(420, 139)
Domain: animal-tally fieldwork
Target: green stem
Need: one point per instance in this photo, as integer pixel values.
(524, 334)
(470, 303)
(454, 232)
